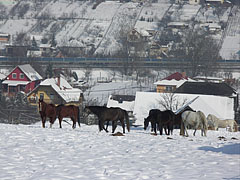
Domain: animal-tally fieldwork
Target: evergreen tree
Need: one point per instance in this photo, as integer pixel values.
(49, 71)
(53, 41)
(34, 43)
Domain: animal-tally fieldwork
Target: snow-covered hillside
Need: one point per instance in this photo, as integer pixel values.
(31, 152)
(98, 27)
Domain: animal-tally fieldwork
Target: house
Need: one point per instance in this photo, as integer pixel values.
(210, 88)
(207, 88)
(56, 91)
(21, 78)
(194, 2)
(220, 106)
(208, 79)
(138, 42)
(175, 26)
(5, 38)
(16, 50)
(136, 35)
(171, 82)
(214, 1)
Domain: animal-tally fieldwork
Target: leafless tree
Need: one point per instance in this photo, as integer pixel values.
(201, 50)
(171, 101)
(22, 39)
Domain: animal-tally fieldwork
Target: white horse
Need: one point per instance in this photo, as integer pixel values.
(212, 122)
(195, 120)
(215, 123)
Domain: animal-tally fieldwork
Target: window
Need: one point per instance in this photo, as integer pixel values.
(41, 96)
(14, 75)
(169, 88)
(51, 96)
(21, 76)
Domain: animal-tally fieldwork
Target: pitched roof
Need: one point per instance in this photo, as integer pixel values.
(28, 70)
(65, 90)
(207, 88)
(177, 76)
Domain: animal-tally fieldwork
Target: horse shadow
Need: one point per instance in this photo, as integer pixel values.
(226, 149)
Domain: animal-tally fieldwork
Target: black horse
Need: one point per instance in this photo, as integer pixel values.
(159, 120)
(109, 114)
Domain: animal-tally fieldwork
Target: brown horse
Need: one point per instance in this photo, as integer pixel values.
(70, 111)
(47, 111)
(109, 114)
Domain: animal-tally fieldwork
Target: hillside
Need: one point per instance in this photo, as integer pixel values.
(96, 26)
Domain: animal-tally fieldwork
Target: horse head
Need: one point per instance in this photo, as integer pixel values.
(146, 122)
(87, 111)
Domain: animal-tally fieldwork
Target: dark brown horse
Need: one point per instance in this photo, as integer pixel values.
(47, 111)
(70, 111)
(109, 114)
(159, 120)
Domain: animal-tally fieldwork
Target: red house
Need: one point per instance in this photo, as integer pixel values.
(22, 78)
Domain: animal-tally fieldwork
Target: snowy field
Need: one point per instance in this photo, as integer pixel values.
(29, 152)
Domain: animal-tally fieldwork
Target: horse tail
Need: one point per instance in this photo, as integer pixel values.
(235, 126)
(127, 120)
(78, 116)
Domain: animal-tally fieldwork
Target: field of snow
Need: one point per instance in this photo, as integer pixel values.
(31, 152)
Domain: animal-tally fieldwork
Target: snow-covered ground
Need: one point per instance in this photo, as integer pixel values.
(29, 152)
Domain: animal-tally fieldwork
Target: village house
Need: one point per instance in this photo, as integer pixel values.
(56, 91)
(16, 50)
(5, 38)
(22, 78)
(138, 42)
(171, 82)
(214, 1)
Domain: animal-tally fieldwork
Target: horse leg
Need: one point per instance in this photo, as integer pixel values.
(153, 125)
(161, 129)
(108, 124)
(165, 129)
(74, 122)
(123, 125)
(60, 122)
(43, 121)
(102, 126)
(113, 126)
(194, 132)
(185, 129)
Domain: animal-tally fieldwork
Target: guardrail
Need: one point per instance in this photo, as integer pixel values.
(86, 59)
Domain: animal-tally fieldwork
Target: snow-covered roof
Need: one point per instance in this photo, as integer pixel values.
(219, 106)
(65, 90)
(45, 45)
(177, 24)
(15, 83)
(172, 82)
(30, 72)
(126, 105)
